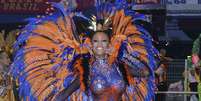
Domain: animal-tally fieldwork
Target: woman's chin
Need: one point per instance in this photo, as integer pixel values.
(100, 55)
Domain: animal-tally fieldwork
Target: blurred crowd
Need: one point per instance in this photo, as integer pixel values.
(7, 84)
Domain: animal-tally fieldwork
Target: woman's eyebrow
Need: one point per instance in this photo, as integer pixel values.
(105, 40)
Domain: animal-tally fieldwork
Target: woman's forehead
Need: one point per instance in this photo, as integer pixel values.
(100, 35)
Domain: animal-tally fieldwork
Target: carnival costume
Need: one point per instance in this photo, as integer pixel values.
(49, 56)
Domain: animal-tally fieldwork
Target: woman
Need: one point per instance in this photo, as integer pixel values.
(106, 82)
(115, 63)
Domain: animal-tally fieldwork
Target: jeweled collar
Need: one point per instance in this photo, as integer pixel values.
(101, 60)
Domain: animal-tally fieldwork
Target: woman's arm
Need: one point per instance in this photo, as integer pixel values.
(137, 65)
(64, 94)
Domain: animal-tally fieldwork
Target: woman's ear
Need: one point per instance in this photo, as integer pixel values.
(110, 49)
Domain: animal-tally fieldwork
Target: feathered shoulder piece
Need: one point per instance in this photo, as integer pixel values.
(47, 55)
(121, 20)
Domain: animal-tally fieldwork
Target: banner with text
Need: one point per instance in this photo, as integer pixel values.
(24, 6)
(147, 1)
(184, 6)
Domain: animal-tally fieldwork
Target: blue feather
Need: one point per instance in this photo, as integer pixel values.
(68, 80)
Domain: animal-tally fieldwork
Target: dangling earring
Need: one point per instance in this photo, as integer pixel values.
(110, 49)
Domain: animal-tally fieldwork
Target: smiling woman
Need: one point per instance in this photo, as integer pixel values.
(100, 42)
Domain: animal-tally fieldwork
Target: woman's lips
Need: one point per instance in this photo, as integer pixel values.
(100, 48)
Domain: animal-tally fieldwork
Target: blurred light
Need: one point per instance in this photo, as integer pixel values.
(167, 43)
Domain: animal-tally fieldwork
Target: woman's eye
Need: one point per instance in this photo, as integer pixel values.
(104, 40)
(95, 41)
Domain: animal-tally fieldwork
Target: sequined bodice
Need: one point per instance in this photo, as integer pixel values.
(106, 82)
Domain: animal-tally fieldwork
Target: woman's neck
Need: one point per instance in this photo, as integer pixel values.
(101, 57)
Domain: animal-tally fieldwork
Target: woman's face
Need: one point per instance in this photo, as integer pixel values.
(100, 42)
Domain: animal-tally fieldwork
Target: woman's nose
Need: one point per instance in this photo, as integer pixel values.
(100, 44)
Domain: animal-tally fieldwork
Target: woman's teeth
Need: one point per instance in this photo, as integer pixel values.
(99, 48)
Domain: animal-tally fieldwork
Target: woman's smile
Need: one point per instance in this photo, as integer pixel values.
(100, 42)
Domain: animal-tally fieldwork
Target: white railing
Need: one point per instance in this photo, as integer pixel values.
(173, 72)
(175, 92)
(178, 95)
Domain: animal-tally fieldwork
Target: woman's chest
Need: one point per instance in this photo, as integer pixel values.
(106, 78)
